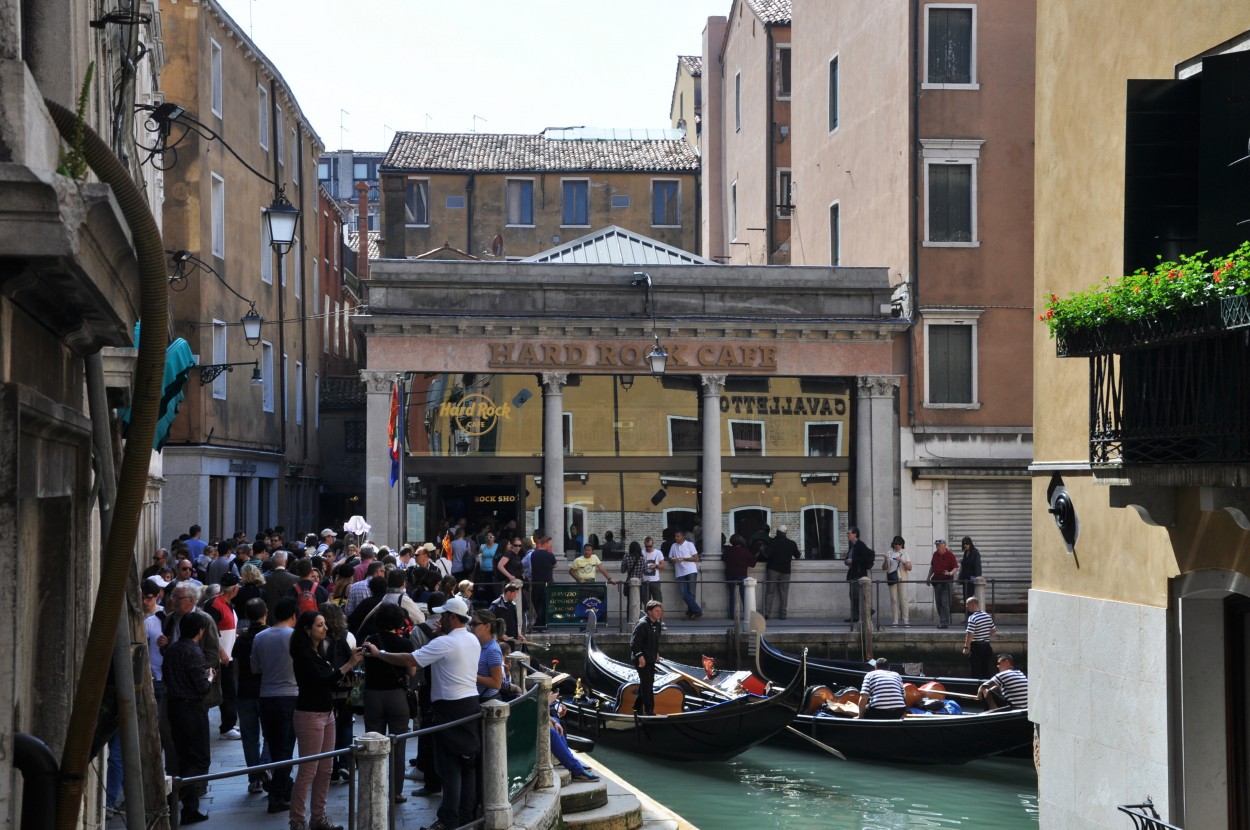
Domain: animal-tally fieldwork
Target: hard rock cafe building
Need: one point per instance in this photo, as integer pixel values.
(529, 396)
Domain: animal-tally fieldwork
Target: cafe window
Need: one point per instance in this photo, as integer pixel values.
(685, 435)
(824, 439)
(747, 437)
(819, 538)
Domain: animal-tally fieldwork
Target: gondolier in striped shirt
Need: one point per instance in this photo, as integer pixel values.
(881, 695)
(977, 640)
(1008, 689)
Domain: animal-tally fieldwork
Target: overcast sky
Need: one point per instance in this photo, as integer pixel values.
(434, 64)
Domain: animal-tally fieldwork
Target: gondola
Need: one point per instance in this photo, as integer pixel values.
(920, 739)
(606, 675)
(777, 666)
(715, 732)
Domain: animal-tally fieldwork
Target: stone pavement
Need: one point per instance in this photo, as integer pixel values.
(229, 804)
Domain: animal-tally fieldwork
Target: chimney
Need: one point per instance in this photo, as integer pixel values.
(362, 230)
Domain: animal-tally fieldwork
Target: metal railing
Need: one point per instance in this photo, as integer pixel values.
(351, 752)
(1145, 816)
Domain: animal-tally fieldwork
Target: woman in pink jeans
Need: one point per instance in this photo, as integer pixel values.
(314, 718)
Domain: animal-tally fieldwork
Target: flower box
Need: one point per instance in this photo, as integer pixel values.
(1116, 336)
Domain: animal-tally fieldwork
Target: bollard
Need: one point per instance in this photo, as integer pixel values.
(978, 591)
(495, 805)
(748, 609)
(544, 776)
(373, 792)
(635, 598)
(516, 669)
(865, 614)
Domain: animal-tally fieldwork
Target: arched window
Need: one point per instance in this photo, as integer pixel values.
(820, 534)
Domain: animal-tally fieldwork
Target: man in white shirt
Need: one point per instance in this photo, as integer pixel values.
(453, 660)
(685, 558)
(652, 564)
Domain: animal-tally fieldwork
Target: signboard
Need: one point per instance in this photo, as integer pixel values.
(569, 605)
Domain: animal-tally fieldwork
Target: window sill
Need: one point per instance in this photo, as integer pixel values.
(217, 397)
(666, 226)
(415, 225)
(928, 405)
(974, 244)
(510, 225)
(972, 86)
(575, 226)
(784, 97)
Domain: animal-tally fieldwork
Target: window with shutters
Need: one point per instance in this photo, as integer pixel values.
(783, 72)
(950, 46)
(685, 435)
(835, 234)
(575, 203)
(665, 203)
(833, 93)
(520, 202)
(950, 358)
(416, 202)
(950, 182)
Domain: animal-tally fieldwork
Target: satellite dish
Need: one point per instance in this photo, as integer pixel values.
(496, 245)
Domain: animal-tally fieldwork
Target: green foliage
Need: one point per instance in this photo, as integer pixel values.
(73, 160)
(1170, 286)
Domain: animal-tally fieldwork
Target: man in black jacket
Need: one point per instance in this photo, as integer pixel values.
(782, 551)
(644, 650)
(859, 559)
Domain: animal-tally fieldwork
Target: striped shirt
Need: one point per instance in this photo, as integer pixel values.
(980, 626)
(884, 689)
(1013, 685)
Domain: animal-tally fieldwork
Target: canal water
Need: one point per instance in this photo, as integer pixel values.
(775, 787)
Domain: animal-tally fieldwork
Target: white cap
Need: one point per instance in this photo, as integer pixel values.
(783, 529)
(456, 606)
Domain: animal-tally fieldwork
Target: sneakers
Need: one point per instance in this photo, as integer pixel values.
(256, 787)
(340, 776)
(231, 734)
(323, 823)
(585, 776)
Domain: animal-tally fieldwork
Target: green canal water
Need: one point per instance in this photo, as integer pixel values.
(775, 787)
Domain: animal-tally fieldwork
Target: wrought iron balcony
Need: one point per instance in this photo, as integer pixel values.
(1145, 816)
(1173, 391)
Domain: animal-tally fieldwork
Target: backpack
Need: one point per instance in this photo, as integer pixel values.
(307, 597)
(870, 559)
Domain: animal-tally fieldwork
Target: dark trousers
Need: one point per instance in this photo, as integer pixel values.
(645, 704)
(538, 598)
(884, 714)
(343, 732)
(856, 591)
(456, 752)
(188, 723)
(734, 586)
(981, 659)
(229, 697)
(277, 722)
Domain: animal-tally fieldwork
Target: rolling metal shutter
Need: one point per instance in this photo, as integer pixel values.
(997, 515)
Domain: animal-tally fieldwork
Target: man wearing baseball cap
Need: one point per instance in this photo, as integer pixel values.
(327, 539)
(452, 659)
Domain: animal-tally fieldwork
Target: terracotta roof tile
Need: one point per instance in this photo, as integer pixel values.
(342, 393)
(375, 237)
(693, 64)
(503, 152)
(771, 11)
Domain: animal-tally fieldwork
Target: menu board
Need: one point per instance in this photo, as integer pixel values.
(570, 604)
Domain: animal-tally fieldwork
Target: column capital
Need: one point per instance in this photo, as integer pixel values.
(553, 382)
(713, 385)
(379, 380)
(879, 386)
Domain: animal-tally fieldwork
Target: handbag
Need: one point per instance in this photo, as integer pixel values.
(414, 706)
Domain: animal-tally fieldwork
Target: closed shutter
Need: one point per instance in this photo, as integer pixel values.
(998, 517)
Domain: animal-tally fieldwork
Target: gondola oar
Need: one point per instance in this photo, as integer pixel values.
(726, 696)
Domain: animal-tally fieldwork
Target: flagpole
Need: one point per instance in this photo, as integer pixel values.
(402, 427)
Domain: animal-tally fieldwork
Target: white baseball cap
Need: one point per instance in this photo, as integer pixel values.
(456, 606)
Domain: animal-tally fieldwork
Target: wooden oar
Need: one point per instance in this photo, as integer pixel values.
(945, 693)
(726, 696)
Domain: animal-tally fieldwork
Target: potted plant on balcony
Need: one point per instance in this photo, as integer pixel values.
(1197, 296)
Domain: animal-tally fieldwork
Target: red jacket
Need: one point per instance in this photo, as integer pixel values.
(943, 566)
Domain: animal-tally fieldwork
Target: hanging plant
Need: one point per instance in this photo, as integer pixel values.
(1169, 289)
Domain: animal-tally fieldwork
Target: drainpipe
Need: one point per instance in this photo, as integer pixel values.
(917, 207)
(770, 222)
(468, 225)
(305, 186)
(132, 484)
(123, 664)
(37, 764)
(277, 189)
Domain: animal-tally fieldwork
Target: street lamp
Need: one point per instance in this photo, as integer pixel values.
(282, 217)
(212, 371)
(251, 326)
(186, 263)
(657, 358)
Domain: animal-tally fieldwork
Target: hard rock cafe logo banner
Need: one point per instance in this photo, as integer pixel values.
(740, 357)
(475, 414)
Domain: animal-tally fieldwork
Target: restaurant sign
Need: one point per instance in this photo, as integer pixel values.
(740, 357)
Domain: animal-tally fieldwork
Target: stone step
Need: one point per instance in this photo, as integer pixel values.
(580, 796)
(622, 812)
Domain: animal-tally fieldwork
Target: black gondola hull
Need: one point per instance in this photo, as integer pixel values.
(779, 667)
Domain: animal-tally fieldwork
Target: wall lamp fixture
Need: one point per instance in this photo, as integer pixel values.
(657, 358)
(212, 371)
(186, 264)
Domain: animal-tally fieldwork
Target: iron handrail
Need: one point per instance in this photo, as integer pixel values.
(1145, 816)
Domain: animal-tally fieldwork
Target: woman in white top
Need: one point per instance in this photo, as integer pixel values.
(896, 564)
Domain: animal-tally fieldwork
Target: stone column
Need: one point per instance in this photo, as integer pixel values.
(553, 457)
(373, 753)
(635, 598)
(545, 776)
(876, 461)
(495, 805)
(381, 500)
(713, 521)
(516, 669)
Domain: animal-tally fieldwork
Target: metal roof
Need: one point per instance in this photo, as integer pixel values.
(615, 245)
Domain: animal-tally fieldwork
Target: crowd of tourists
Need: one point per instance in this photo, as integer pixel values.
(290, 640)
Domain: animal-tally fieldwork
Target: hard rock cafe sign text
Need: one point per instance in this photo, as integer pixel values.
(740, 357)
